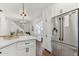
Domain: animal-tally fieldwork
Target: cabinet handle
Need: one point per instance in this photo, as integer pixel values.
(59, 38)
(60, 29)
(27, 49)
(27, 43)
(0, 52)
(62, 38)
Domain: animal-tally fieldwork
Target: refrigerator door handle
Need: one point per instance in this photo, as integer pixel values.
(59, 28)
(62, 29)
(59, 38)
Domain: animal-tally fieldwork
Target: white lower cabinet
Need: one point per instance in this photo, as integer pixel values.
(26, 48)
(3, 52)
(8, 51)
(23, 48)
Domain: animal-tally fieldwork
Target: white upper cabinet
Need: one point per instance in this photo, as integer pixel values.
(3, 25)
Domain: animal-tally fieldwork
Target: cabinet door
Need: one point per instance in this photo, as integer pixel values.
(4, 52)
(56, 48)
(21, 49)
(32, 49)
(8, 51)
(26, 48)
(12, 50)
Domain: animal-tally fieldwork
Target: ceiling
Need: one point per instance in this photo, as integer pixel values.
(12, 10)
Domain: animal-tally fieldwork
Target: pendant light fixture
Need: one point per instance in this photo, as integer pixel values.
(23, 12)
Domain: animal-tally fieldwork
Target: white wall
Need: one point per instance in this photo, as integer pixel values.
(12, 27)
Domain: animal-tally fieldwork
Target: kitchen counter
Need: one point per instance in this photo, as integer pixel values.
(6, 42)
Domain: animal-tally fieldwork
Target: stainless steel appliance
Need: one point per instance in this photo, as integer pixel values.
(65, 34)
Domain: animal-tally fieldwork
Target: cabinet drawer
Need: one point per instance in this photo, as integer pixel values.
(25, 44)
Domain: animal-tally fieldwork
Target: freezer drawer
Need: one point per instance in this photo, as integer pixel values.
(62, 49)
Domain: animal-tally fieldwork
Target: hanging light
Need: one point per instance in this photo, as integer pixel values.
(23, 12)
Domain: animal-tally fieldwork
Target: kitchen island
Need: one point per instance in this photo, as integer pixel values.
(21, 46)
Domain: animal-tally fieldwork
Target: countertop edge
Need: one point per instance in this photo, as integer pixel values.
(14, 43)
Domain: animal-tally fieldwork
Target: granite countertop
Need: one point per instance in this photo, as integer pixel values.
(6, 42)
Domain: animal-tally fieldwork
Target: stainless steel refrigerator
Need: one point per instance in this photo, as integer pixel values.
(65, 34)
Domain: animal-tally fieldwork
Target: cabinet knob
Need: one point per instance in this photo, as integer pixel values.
(0, 52)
